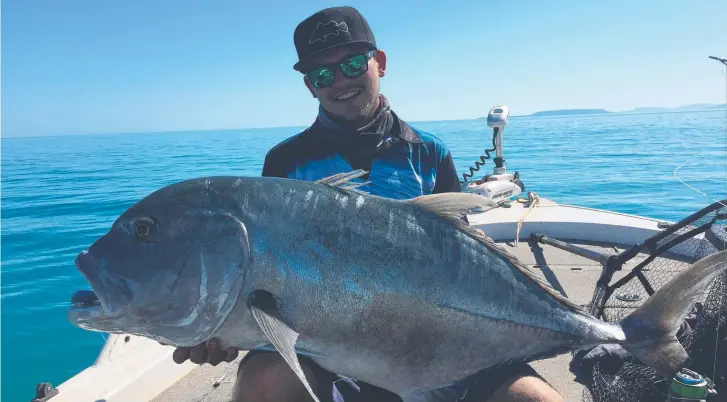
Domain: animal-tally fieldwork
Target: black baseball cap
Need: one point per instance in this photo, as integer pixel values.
(330, 28)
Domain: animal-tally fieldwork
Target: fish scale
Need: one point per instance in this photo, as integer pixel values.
(400, 294)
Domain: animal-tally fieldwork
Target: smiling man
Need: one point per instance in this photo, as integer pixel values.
(356, 129)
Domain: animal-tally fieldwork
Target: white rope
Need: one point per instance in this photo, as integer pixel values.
(534, 200)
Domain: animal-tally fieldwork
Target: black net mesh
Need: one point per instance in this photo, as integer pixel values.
(610, 373)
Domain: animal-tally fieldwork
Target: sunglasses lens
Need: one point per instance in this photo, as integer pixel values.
(355, 66)
(322, 77)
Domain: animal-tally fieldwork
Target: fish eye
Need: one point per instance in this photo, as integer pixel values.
(143, 228)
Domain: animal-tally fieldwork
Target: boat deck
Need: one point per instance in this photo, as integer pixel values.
(570, 274)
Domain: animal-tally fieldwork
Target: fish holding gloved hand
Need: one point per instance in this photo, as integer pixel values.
(403, 295)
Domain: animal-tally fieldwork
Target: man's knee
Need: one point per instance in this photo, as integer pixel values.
(267, 377)
(525, 389)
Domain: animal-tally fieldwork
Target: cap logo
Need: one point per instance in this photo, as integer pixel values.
(329, 28)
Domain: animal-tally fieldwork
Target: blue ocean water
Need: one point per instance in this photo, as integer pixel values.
(60, 193)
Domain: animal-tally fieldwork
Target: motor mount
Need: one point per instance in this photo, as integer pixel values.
(500, 186)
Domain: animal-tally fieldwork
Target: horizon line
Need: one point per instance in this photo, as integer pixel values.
(712, 107)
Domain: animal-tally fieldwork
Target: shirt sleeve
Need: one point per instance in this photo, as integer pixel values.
(447, 180)
(272, 166)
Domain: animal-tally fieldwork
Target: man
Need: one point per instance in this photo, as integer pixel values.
(356, 129)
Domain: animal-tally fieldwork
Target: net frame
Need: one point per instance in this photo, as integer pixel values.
(704, 334)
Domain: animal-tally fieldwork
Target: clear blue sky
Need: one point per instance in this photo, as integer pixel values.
(94, 66)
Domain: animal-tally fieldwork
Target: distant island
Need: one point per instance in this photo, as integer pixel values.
(569, 112)
(696, 107)
(685, 108)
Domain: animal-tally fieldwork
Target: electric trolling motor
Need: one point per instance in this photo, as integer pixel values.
(500, 186)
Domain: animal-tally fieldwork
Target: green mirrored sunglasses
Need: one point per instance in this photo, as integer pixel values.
(352, 67)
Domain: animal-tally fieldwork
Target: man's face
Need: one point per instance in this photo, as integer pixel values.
(351, 99)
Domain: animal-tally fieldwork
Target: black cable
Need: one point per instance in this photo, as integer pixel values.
(479, 164)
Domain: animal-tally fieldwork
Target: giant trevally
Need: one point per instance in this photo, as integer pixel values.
(401, 294)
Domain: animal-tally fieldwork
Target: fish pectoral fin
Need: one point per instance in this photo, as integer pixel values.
(262, 306)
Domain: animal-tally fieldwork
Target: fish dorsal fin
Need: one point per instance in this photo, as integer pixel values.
(340, 179)
(343, 181)
(520, 266)
(454, 206)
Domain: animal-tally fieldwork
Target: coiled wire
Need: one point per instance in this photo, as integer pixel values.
(479, 163)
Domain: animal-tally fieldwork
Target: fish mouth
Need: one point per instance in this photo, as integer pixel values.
(92, 306)
(85, 305)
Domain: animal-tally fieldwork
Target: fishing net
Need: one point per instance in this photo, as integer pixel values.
(609, 372)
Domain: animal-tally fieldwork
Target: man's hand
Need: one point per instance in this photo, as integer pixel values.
(207, 352)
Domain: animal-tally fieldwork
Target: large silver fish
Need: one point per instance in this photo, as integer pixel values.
(401, 294)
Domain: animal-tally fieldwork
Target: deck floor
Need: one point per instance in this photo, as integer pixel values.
(573, 275)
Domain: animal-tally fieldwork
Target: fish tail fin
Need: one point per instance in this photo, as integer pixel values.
(651, 329)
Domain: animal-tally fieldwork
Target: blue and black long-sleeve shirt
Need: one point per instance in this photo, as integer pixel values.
(402, 162)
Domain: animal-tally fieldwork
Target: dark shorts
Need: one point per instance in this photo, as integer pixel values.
(477, 388)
